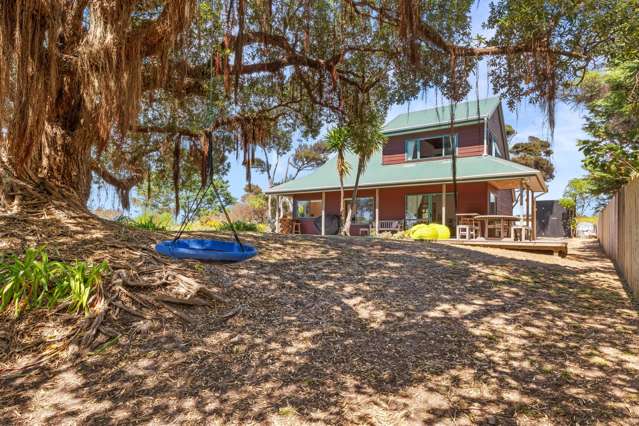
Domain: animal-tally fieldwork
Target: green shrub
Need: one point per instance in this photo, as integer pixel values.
(401, 235)
(150, 222)
(210, 223)
(240, 226)
(34, 281)
(213, 223)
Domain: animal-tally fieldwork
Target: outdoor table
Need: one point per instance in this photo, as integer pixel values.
(466, 217)
(504, 221)
(467, 214)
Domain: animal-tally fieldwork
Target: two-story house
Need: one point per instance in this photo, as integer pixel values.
(410, 179)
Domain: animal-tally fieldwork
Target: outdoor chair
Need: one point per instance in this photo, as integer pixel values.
(365, 231)
(521, 232)
(466, 232)
(297, 228)
(468, 228)
(390, 225)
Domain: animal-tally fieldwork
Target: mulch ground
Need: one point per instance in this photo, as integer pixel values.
(334, 330)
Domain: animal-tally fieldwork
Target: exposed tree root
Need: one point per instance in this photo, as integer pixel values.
(141, 284)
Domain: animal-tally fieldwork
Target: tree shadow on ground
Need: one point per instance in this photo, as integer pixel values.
(342, 330)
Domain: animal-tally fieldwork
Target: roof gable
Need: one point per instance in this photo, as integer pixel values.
(433, 117)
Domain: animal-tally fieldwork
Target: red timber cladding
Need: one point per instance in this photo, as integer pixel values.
(470, 141)
(472, 198)
(504, 200)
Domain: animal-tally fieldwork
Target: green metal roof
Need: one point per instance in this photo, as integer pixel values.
(480, 168)
(440, 116)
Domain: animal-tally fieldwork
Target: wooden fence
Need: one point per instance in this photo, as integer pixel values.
(618, 233)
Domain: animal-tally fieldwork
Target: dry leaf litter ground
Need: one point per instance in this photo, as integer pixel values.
(327, 330)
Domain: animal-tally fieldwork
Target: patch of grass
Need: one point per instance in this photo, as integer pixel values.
(565, 375)
(547, 368)
(589, 219)
(287, 411)
(33, 281)
(599, 361)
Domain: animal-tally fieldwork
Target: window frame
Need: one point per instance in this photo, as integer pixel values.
(433, 212)
(494, 194)
(455, 146)
(495, 146)
(347, 202)
(296, 211)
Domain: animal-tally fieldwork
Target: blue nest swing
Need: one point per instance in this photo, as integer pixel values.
(206, 250)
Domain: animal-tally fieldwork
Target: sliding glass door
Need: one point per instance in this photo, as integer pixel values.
(428, 208)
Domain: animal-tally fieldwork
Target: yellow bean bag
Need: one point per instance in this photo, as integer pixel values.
(428, 232)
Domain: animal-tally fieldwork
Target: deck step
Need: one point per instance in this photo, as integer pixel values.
(555, 247)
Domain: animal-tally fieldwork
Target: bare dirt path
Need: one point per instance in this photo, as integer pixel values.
(369, 331)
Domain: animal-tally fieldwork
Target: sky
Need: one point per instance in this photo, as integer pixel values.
(529, 120)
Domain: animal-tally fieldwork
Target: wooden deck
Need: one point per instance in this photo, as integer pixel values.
(556, 247)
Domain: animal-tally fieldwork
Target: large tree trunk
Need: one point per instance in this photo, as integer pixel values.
(58, 165)
(60, 161)
(71, 77)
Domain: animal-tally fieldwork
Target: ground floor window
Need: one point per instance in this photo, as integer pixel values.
(365, 212)
(307, 208)
(492, 203)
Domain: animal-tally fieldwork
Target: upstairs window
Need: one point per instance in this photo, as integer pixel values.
(438, 146)
(495, 150)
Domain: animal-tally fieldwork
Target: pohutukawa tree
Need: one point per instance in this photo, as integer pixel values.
(71, 79)
(103, 86)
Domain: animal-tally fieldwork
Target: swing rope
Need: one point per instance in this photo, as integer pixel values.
(197, 201)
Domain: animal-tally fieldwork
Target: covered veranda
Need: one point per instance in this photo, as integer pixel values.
(390, 209)
(398, 196)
